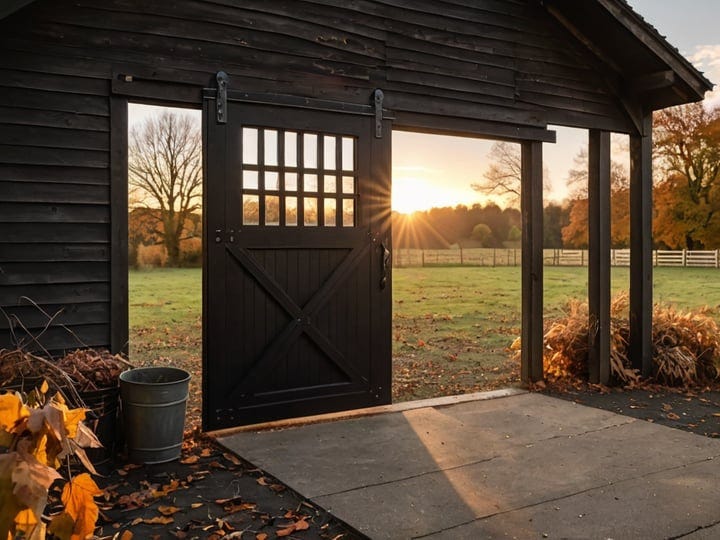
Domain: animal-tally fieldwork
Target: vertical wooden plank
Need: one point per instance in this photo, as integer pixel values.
(119, 333)
(214, 262)
(599, 255)
(640, 345)
(379, 220)
(531, 207)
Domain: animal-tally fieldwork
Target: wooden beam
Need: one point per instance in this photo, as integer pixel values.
(118, 225)
(599, 256)
(651, 81)
(531, 207)
(641, 277)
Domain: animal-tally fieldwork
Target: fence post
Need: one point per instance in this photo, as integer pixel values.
(462, 259)
(684, 257)
(494, 263)
(422, 258)
(717, 258)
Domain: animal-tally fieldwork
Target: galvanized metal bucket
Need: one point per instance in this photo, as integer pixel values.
(153, 410)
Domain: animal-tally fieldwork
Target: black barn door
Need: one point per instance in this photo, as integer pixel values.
(297, 299)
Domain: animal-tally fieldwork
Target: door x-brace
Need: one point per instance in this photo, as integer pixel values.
(301, 318)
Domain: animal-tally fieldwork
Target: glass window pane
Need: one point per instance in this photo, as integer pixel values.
(250, 179)
(330, 206)
(251, 210)
(290, 181)
(348, 154)
(310, 148)
(271, 147)
(310, 215)
(329, 153)
(272, 181)
(291, 216)
(290, 149)
(348, 212)
(310, 183)
(272, 210)
(250, 146)
(348, 184)
(329, 184)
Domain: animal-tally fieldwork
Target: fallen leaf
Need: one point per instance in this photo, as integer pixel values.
(231, 458)
(673, 416)
(158, 520)
(302, 524)
(168, 510)
(286, 531)
(261, 536)
(196, 505)
(190, 460)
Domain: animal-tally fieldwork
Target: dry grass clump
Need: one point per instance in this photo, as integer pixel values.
(686, 345)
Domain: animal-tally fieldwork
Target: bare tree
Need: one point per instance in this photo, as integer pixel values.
(503, 176)
(165, 169)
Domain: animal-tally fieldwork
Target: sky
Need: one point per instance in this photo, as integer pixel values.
(431, 170)
(437, 171)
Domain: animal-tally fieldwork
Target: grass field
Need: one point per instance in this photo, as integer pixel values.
(451, 326)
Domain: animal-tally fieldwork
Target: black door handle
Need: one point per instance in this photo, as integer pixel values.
(385, 265)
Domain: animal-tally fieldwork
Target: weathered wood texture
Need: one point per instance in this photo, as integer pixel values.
(501, 63)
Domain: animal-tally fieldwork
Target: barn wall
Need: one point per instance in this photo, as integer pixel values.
(503, 62)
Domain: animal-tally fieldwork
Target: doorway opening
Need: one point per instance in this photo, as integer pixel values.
(165, 251)
(456, 264)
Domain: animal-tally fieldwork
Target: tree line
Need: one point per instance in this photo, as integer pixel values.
(165, 178)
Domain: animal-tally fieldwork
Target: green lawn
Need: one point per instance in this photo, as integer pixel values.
(452, 326)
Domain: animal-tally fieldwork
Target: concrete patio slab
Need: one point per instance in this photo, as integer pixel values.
(520, 466)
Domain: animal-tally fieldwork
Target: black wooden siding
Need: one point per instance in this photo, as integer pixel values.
(490, 60)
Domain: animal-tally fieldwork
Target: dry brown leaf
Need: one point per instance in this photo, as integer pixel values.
(286, 531)
(232, 458)
(302, 524)
(190, 460)
(168, 510)
(673, 416)
(261, 536)
(158, 520)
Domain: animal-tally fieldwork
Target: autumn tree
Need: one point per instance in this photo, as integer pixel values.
(687, 152)
(165, 167)
(575, 233)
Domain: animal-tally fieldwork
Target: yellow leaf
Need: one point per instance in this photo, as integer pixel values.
(12, 413)
(9, 504)
(62, 526)
(71, 418)
(158, 520)
(77, 496)
(31, 528)
(44, 387)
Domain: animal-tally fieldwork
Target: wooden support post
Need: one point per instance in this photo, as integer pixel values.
(640, 345)
(119, 330)
(599, 256)
(531, 207)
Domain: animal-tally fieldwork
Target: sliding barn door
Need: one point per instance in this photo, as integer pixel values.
(297, 299)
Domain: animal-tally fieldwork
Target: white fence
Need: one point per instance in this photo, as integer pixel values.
(551, 257)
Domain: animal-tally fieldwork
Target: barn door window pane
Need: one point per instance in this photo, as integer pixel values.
(329, 153)
(251, 210)
(310, 212)
(310, 151)
(291, 215)
(348, 154)
(329, 184)
(272, 210)
(290, 149)
(310, 183)
(348, 185)
(290, 181)
(250, 146)
(330, 213)
(271, 147)
(348, 213)
(272, 181)
(250, 179)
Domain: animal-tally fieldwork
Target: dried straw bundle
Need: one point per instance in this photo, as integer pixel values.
(686, 345)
